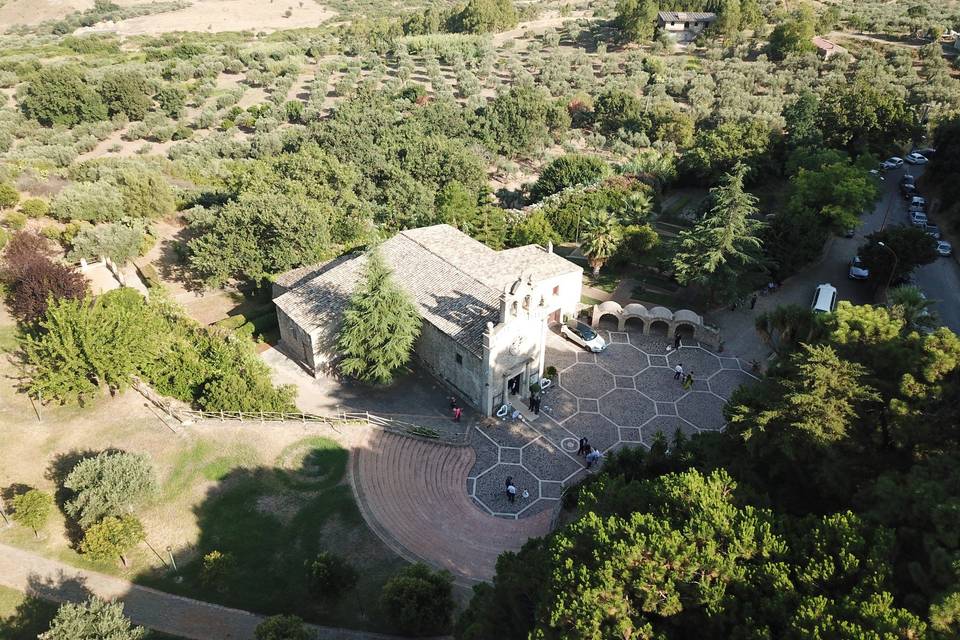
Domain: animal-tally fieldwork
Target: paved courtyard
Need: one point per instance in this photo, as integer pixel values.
(621, 397)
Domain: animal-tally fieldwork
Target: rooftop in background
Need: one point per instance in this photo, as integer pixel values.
(686, 16)
(455, 281)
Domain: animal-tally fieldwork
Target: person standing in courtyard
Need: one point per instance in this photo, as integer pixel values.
(688, 381)
(676, 341)
(457, 412)
(511, 492)
(584, 446)
(753, 302)
(592, 457)
(678, 371)
(536, 404)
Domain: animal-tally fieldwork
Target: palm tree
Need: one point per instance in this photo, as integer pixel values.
(910, 305)
(784, 328)
(600, 240)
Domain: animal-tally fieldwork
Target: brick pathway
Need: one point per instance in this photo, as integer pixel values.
(174, 615)
(412, 494)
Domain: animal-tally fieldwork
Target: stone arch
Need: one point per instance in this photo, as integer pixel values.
(685, 330)
(610, 308)
(635, 323)
(659, 328)
(609, 322)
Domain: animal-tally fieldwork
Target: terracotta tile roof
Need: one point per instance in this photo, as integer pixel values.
(455, 281)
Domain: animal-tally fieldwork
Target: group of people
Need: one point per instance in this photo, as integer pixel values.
(536, 395)
(685, 380)
(589, 453)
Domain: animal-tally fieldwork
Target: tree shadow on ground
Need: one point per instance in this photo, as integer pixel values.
(33, 615)
(270, 521)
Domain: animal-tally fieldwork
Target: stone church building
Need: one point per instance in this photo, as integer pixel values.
(485, 312)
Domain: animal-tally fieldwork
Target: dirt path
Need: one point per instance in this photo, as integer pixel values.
(550, 20)
(154, 609)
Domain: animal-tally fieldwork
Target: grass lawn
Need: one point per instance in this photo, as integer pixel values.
(272, 497)
(271, 520)
(606, 281)
(588, 300)
(23, 617)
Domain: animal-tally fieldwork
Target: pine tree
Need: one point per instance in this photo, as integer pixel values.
(724, 242)
(94, 619)
(380, 326)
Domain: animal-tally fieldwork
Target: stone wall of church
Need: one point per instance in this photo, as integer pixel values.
(297, 343)
(451, 363)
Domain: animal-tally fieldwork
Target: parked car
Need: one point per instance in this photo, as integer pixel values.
(932, 230)
(918, 218)
(927, 153)
(908, 190)
(908, 178)
(858, 271)
(915, 158)
(584, 336)
(918, 202)
(944, 248)
(824, 298)
(891, 163)
(849, 232)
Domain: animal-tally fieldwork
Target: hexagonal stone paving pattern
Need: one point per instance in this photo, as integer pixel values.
(621, 397)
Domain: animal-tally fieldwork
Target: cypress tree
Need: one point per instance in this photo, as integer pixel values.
(380, 326)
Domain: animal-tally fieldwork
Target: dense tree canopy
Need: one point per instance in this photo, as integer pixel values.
(58, 94)
(819, 513)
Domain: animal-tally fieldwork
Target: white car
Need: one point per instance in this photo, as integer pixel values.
(915, 158)
(857, 269)
(944, 248)
(824, 299)
(933, 231)
(584, 336)
(918, 219)
(892, 163)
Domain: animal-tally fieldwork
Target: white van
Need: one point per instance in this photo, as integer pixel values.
(824, 298)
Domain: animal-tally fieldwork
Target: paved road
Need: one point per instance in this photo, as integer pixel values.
(939, 280)
(174, 615)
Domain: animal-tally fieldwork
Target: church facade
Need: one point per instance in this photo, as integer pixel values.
(485, 312)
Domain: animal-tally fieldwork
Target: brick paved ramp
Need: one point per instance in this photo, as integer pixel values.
(175, 615)
(411, 493)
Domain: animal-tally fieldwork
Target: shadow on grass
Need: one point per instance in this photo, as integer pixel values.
(271, 521)
(30, 618)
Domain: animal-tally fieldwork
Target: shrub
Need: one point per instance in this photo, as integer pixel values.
(330, 576)
(97, 201)
(281, 628)
(216, 568)
(418, 601)
(15, 220)
(109, 484)
(9, 196)
(35, 207)
(567, 171)
(172, 99)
